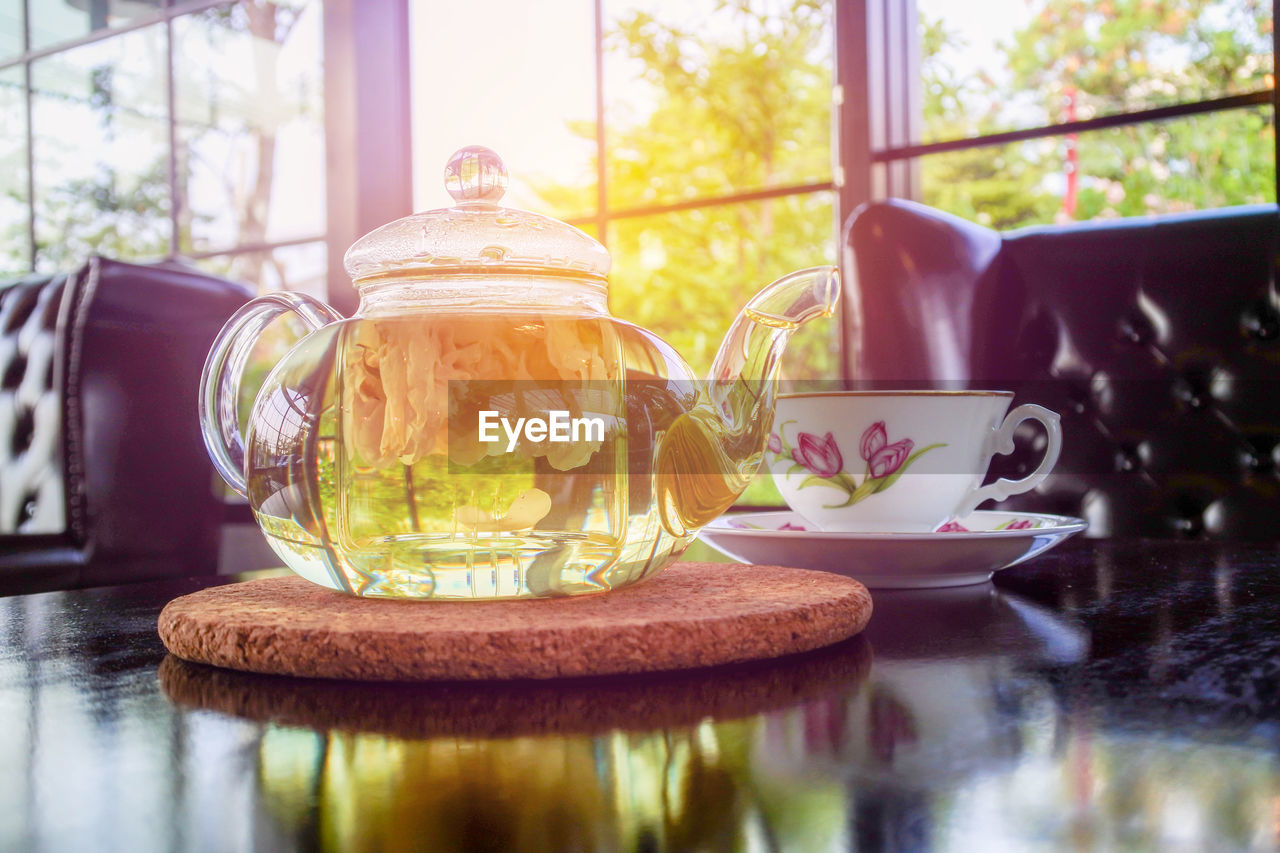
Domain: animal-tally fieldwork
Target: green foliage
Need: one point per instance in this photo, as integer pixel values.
(744, 108)
(743, 102)
(122, 211)
(1114, 56)
(686, 275)
(1001, 187)
(109, 214)
(736, 106)
(1129, 54)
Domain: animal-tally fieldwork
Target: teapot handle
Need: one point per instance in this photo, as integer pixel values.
(224, 368)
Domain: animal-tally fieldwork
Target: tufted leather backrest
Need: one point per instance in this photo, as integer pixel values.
(103, 473)
(31, 483)
(1157, 339)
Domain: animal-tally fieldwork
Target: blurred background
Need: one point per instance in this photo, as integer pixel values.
(710, 144)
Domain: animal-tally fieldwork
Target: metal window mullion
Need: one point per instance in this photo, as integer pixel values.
(166, 13)
(877, 89)
(251, 248)
(173, 139)
(854, 131)
(853, 127)
(899, 65)
(894, 97)
(711, 201)
(31, 136)
(904, 152)
(178, 8)
(914, 119)
(602, 186)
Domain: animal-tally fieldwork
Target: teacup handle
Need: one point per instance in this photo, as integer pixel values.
(1001, 442)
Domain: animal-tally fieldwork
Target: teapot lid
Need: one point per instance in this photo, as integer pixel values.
(476, 235)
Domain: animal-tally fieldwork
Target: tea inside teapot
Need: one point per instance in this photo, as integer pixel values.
(404, 497)
(482, 427)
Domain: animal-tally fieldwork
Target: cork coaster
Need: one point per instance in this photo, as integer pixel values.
(691, 615)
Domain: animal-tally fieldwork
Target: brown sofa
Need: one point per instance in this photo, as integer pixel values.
(104, 474)
(1157, 339)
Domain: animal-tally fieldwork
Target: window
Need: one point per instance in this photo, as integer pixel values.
(1057, 111)
(695, 139)
(143, 131)
(714, 120)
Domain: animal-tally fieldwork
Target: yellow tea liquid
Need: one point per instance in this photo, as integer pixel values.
(368, 470)
(367, 473)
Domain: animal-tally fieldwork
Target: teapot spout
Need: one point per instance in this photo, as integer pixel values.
(711, 453)
(752, 348)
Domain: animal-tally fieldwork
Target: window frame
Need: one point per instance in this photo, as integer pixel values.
(166, 14)
(881, 40)
(876, 121)
(605, 214)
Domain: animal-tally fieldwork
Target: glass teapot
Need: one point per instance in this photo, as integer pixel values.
(482, 428)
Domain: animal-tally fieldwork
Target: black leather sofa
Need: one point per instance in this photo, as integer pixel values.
(1157, 339)
(103, 473)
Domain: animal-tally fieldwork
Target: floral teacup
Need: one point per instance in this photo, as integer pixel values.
(906, 461)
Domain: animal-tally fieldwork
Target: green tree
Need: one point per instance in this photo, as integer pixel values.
(740, 102)
(251, 109)
(1109, 56)
(125, 213)
(119, 217)
(1000, 187)
(1129, 54)
(14, 240)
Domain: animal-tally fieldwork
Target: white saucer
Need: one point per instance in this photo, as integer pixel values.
(893, 560)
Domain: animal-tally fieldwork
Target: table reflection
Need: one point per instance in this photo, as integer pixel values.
(864, 741)
(1120, 706)
(987, 731)
(692, 760)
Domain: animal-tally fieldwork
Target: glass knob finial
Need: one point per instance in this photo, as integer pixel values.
(475, 173)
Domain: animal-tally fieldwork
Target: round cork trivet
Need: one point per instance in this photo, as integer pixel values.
(691, 615)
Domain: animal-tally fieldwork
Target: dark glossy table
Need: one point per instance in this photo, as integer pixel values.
(1113, 695)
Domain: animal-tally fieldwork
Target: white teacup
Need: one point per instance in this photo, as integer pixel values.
(909, 461)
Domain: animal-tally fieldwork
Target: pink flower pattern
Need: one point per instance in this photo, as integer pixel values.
(824, 462)
(738, 524)
(889, 458)
(873, 439)
(820, 456)
(1016, 524)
